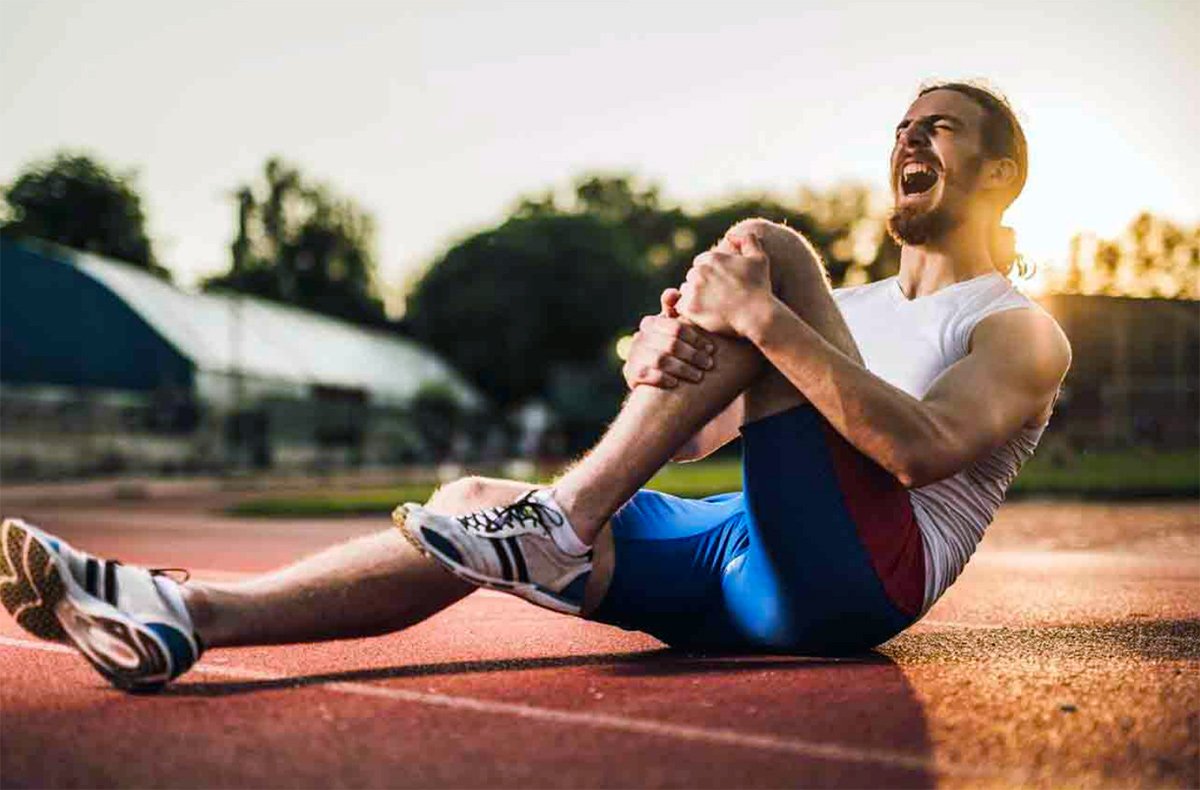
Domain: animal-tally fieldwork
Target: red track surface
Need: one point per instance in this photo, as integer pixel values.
(1067, 653)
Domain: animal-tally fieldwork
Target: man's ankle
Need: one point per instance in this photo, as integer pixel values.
(197, 599)
(573, 537)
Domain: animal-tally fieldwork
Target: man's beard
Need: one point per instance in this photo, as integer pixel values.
(916, 225)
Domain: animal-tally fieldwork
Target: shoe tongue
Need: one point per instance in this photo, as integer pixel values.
(563, 533)
(171, 593)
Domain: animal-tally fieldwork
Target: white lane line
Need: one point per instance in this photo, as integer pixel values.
(48, 647)
(682, 732)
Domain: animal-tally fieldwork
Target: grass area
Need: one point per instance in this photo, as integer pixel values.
(1131, 474)
(1108, 475)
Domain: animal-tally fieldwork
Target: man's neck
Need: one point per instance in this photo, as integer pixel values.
(961, 254)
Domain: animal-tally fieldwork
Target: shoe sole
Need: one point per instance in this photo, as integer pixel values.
(39, 592)
(527, 590)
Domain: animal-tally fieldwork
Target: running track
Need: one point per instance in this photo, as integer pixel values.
(1066, 654)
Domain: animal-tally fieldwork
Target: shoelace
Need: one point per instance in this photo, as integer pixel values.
(187, 575)
(525, 510)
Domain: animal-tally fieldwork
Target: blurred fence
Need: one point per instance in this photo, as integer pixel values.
(1135, 376)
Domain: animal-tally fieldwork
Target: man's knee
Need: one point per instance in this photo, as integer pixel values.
(786, 248)
(466, 492)
(475, 493)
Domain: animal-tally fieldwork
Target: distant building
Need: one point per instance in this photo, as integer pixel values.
(1135, 376)
(104, 367)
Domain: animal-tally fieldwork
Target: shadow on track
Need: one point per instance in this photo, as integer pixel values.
(649, 663)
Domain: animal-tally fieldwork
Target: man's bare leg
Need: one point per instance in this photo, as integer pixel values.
(367, 586)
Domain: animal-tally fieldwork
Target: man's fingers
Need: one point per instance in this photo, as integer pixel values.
(673, 328)
(686, 352)
(657, 378)
(674, 357)
(749, 245)
(726, 245)
(676, 367)
(670, 297)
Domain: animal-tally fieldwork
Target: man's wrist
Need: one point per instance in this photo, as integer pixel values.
(758, 323)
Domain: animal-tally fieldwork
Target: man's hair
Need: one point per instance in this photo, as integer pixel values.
(1002, 135)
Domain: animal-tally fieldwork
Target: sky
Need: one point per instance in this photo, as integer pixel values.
(438, 116)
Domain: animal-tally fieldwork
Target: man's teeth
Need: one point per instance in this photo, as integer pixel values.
(916, 167)
(917, 178)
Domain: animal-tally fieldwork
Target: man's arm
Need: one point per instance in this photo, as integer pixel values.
(1016, 363)
(719, 431)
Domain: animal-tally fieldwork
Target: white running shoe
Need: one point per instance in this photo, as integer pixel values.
(115, 615)
(510, 548)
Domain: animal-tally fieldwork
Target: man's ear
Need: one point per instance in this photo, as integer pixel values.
(1000, 173)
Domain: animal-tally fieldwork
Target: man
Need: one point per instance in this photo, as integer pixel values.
(881, 425)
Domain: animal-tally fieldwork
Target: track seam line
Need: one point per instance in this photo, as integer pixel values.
(721, 736)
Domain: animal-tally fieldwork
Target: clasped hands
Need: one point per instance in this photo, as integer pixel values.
(724, 288)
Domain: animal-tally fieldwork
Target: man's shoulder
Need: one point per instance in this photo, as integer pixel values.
(1031, 334)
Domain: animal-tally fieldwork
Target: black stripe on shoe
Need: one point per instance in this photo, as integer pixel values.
(505, 565)
(515, 548)
(91, 576)
(110, 581)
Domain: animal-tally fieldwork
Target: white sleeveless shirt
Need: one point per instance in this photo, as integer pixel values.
(908, 343)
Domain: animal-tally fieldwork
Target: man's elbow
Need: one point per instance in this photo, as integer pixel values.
(690, 451)
(916, 475)
(928, 464)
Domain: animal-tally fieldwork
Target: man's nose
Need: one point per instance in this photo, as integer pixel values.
(914, 136)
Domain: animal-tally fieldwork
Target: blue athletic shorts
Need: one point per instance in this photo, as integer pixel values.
(819, 554)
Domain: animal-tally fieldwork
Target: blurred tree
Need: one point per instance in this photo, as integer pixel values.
(509, 305)
(301, 244)
(849, 228)
(1152, 257)
(74, 200)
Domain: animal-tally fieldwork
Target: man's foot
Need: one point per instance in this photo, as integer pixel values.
(510, 548)
(121, 618)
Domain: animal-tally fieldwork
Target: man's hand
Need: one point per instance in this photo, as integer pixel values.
(727, 286)
(666, 351)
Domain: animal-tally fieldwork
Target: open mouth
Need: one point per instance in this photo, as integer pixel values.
(917, 178)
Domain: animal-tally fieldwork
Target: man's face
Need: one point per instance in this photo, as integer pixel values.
(935, 162)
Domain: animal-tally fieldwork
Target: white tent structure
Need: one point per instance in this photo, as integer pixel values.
(273, 347)
(105, 367)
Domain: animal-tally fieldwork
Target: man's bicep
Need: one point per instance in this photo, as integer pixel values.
(1010, 377)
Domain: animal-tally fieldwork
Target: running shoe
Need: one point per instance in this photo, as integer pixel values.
(118, 616)
(510, 548)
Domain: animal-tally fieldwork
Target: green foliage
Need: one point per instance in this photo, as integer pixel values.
(74, 200)
(300, 244)
(508, 305)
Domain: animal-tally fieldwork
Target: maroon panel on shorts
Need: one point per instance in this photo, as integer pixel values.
(882, 511)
